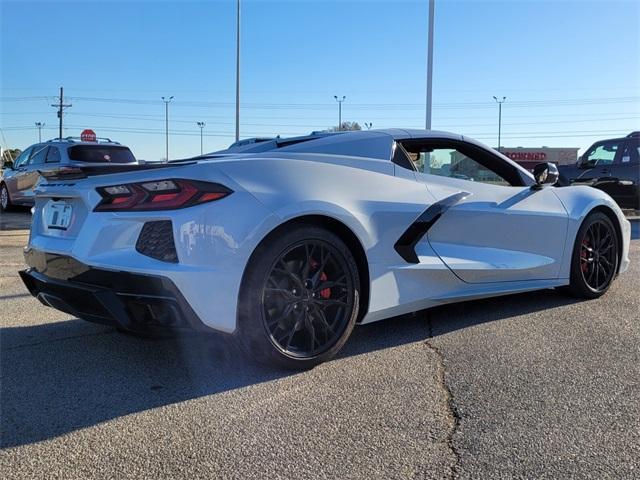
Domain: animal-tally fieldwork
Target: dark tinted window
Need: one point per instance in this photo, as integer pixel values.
(38, 155)
(101, 153)
(400, 157)
(631, 153)
(53, 156)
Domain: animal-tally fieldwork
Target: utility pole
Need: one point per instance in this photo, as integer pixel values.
(368, 125)
(61, 106)
(166, 123)
(201, 125)
(39, 126)
(499, 102)
(430, 66)
(339, 110)
(238, 72)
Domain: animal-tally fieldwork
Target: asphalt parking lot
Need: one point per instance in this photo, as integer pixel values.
(527, 386)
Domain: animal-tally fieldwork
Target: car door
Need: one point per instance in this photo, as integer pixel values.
(625, 173)
(29, 175)
(492, 226)
(597, 163)
(14, 178)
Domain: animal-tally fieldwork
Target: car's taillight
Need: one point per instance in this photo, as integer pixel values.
(159, 195)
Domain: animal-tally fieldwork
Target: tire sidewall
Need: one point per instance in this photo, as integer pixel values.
(578, 284)
(251, 330)
(3, 187)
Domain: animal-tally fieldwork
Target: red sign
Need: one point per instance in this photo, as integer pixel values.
(526, 156)
(88, 136)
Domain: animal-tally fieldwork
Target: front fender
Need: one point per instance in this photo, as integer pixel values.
(581, 200)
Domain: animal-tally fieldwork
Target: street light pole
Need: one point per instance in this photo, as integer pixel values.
(166, 123)
(339, 110)
(238, 72)
(429, 103)
(39, 125)
(201, 125)
(499, 102)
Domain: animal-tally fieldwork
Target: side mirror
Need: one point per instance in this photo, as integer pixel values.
(545, 174)
(8, 164)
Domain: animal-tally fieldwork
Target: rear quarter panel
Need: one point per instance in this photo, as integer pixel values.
(374, 204)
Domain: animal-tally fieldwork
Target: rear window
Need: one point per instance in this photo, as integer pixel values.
(101, 153)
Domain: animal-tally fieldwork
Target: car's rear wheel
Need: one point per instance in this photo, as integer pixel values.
(5, 199)
(299, 298)
(594, 262)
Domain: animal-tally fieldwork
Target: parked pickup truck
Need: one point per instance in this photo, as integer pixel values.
(612, 166)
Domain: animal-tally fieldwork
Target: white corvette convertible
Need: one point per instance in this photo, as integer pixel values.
(286, 244)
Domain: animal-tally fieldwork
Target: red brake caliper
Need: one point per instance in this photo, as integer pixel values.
(325, 292)
(584, 254)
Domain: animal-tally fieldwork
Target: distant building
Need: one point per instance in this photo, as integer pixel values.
(529, 157)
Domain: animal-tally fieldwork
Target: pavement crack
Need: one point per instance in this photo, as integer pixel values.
(451, 407)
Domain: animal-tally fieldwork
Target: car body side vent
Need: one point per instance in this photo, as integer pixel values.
(156, 241)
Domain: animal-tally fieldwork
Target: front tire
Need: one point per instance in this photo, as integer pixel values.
(5, 199)
(594, 262)
(299, 298)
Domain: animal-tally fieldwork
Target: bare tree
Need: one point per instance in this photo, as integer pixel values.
(346, 126)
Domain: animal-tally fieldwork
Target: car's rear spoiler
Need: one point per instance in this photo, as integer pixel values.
(77, 172)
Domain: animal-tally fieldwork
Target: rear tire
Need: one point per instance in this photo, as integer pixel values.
(595, 258)
(299, 298)
(5, 199)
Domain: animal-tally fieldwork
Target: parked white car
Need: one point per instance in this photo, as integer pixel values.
(288, 249)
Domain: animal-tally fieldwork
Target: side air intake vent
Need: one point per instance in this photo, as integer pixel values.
(156, 241)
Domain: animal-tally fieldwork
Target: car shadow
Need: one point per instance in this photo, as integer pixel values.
(635, 229)
(65, 376)
(20, 219)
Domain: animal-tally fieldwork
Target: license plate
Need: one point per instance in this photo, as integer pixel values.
(59, 215)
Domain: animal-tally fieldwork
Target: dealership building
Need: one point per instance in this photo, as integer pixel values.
(529, 157)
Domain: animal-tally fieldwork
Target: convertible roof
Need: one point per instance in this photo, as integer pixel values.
(360, 143)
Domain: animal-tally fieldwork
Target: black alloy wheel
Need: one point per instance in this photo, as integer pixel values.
(598, 254)
(308, 299)
(299, 298)
(595, 259)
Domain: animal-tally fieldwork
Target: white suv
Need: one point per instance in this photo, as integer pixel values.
(19, 178)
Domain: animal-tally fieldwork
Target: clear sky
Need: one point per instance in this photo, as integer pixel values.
(570, 70)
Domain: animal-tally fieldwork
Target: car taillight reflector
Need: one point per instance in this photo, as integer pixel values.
(159, 195)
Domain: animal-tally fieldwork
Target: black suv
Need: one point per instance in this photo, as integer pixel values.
(610, 165)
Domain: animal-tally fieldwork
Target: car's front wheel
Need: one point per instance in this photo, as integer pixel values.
(5, 199)
(594, 262)
(299, 298)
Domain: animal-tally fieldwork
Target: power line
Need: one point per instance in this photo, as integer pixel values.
(316, 125)
(230, 133)
(379, 106)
